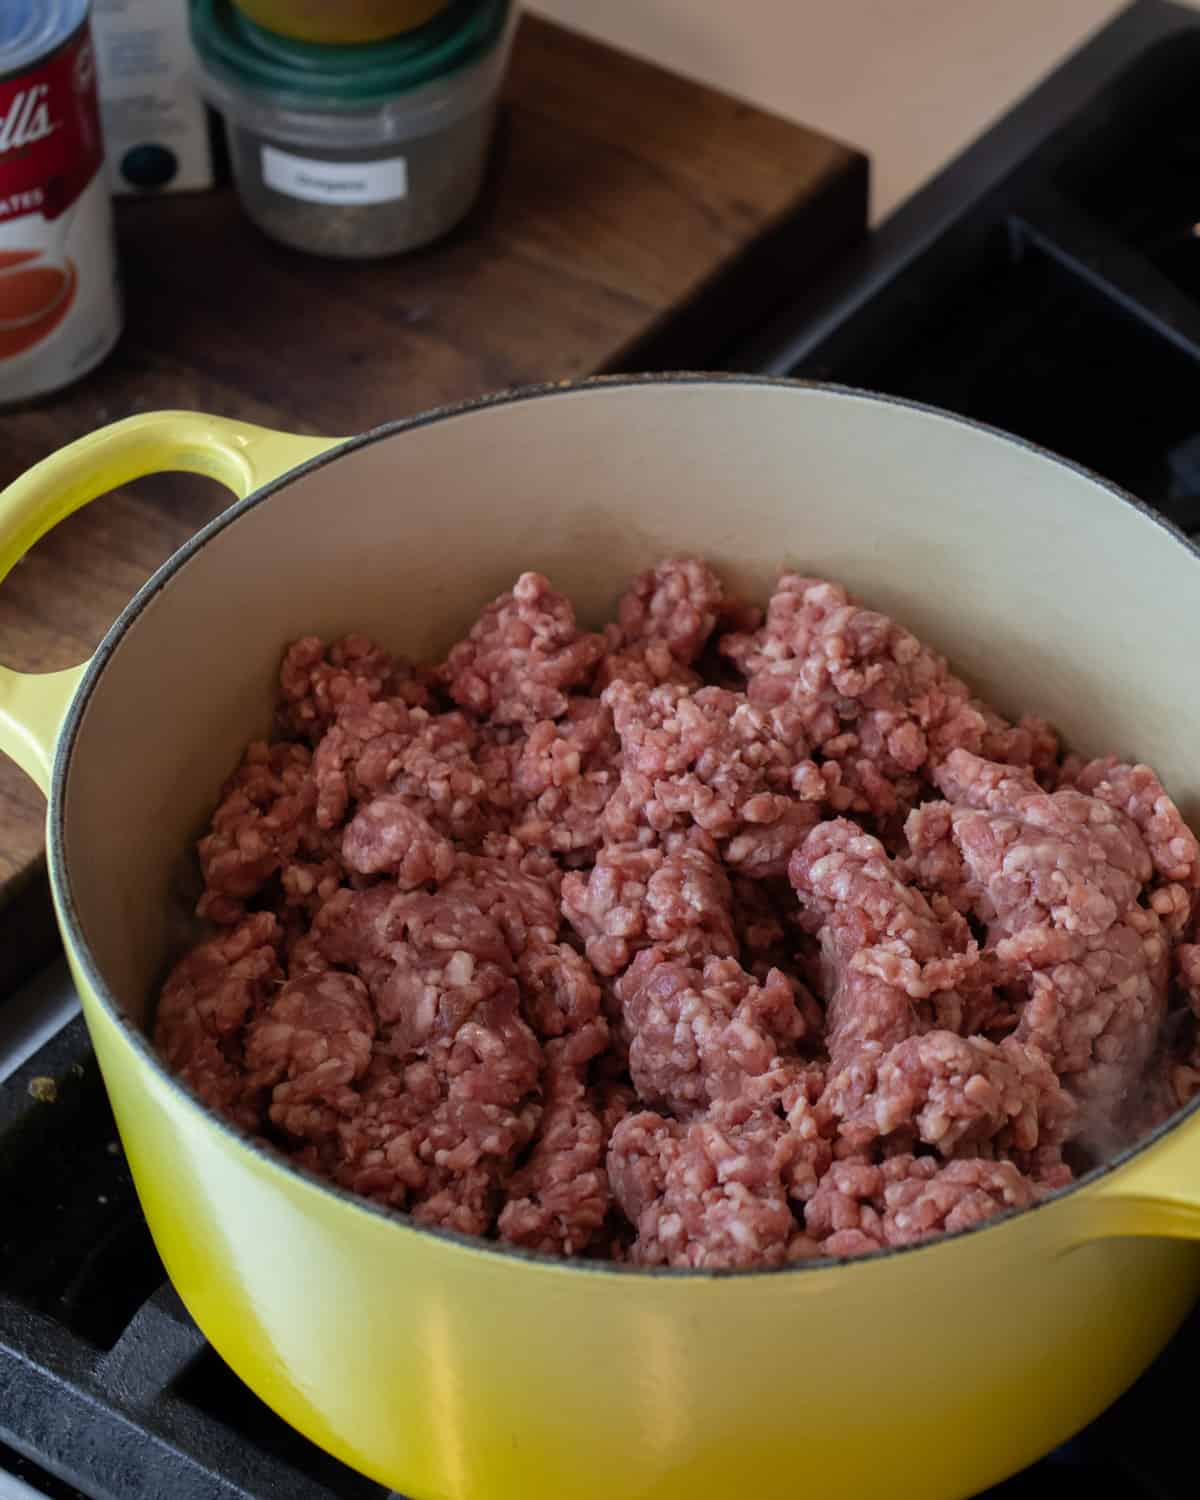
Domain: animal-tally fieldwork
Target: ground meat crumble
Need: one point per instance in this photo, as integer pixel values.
(712, 938)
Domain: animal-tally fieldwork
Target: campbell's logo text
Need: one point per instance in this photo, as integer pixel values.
(27, 119)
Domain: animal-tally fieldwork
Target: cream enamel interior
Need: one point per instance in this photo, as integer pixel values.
(1037, 582)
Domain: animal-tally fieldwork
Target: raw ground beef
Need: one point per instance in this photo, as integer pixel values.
(712, 939)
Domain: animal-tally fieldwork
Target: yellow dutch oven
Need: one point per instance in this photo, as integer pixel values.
(455, 1370)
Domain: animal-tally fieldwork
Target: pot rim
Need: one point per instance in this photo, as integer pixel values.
(139, 1040)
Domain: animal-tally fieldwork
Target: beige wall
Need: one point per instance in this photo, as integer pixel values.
(910, 81)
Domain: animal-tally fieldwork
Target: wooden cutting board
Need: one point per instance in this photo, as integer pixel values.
(632, 220)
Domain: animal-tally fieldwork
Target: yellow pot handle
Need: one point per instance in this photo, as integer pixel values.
(1156, 1194)
(236, 454)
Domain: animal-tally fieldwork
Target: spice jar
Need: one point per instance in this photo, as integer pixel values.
(364, 151)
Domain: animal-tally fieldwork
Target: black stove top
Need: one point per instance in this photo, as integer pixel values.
(1047, 283)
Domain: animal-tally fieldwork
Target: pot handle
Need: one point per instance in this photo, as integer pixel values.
(240, 456)
(1155, 1195)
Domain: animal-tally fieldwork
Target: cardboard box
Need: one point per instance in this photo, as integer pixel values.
(156, 126)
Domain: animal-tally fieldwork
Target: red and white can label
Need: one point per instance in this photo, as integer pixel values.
(60, 310)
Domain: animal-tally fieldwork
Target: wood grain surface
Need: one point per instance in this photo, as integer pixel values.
(631, 220)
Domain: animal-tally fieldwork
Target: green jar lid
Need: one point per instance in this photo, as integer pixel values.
(318, 77)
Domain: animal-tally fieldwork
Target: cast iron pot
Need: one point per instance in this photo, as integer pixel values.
(448, 1368)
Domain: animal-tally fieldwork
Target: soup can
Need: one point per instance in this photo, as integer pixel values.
(60, 305)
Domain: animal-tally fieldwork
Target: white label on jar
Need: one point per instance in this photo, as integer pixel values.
(335, 181)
